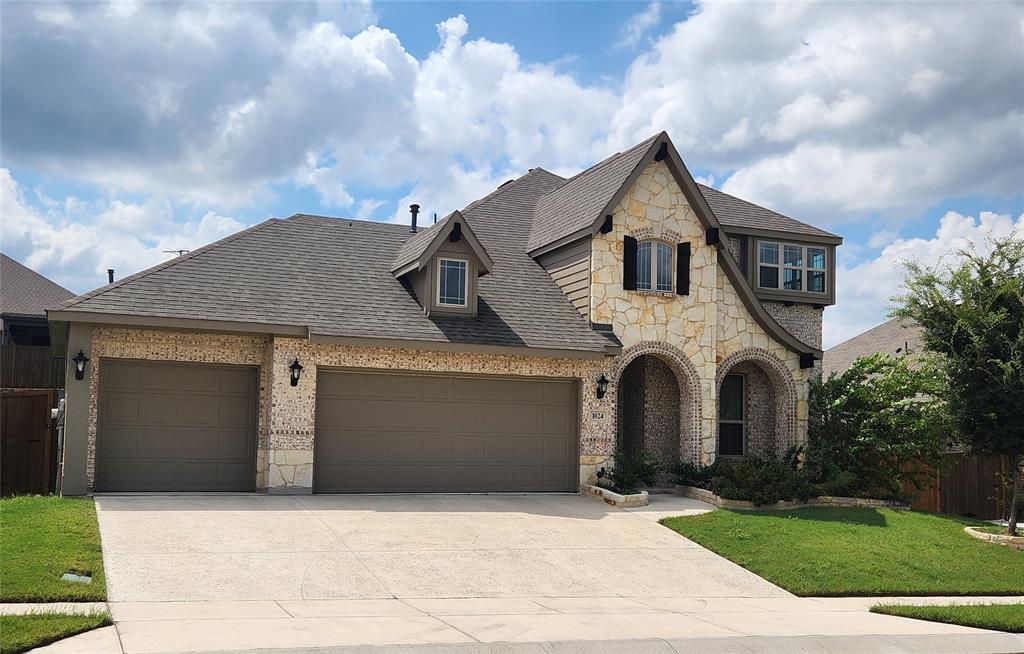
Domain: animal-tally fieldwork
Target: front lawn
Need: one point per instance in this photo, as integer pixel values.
(20, 633)
(41, 538)
(1001, 617)
(853, 551)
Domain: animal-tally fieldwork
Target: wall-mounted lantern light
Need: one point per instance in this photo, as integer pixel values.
(296, 369)
(80, 361)
(602, 386)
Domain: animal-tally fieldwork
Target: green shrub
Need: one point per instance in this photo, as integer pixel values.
(761, 480)
(631, 472)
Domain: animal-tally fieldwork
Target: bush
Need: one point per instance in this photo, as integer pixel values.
(867, 424)
(761, 480)
(631, 472)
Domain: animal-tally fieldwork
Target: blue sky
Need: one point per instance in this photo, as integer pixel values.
(129, 129)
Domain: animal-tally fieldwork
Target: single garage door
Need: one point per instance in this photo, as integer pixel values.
(176, 426)
(384, 432)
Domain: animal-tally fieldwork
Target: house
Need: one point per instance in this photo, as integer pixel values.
(513, 346)
(896, 337)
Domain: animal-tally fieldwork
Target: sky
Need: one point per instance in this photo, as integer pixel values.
(128, 129)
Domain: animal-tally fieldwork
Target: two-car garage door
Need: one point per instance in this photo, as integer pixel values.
(394, 432)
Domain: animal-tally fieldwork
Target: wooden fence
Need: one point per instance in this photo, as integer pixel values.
(965, 484)
(27, 440)
(30, 366)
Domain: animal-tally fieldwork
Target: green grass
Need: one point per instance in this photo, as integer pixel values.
(862, 552)
(20, 633)
(1000, 617)
(41, 538)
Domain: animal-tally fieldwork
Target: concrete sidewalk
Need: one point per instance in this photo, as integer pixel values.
(513, 625)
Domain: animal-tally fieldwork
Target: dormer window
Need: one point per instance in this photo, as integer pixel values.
(452, 282)
(654, 266)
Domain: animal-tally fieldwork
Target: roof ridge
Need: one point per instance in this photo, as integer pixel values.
(36, 273)
(167, 264)
(501, 188)
(341, 218)
(609, 159)
(908, 324)
(762, 207)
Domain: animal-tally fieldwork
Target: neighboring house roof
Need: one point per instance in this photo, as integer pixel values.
(24, 293)
(418, 249)
(895, 336)
(333, 276)
(736, 213)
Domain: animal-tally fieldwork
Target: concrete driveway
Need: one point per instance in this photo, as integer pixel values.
(455, 573)
(160, 548)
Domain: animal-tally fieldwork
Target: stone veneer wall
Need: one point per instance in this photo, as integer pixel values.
(649, 408)
(800, 320)
(759, 409)
(695, 332)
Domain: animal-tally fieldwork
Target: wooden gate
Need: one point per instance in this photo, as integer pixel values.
(27, 440)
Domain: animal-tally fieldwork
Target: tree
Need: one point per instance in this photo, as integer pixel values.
(876, 425)
(972, 314)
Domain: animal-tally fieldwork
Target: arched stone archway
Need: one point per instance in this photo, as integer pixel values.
(770, 398)
(687, 390)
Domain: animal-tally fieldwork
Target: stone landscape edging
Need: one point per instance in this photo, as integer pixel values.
(1016, 542)
(705, 495)
(615, 499)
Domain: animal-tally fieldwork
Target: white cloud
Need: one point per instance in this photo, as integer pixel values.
(74, 242)
(638, 25)
(863, 290)
(827, 111)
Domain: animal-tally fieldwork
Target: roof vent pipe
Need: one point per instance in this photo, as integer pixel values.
(110, 275)
(414, 209)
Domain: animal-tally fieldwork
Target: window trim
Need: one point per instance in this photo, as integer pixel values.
(465, 284)
(742, 422)
(653, 276)
(804, 268)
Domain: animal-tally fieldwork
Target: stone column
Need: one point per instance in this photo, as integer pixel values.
(289, 454)
(76, 411)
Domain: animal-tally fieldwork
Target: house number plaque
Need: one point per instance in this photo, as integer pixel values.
(598, 416)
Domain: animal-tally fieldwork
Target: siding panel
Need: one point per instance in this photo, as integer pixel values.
(569, 266)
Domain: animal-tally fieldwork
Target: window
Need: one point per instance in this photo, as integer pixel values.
(654, 266)
(451, 282)
(800, 268)
(730, 416)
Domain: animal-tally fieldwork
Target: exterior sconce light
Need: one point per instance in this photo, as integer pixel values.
(80, 361)
(296, 369)
(602, 386)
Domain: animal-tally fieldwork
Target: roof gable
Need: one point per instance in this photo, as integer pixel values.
(416, 252)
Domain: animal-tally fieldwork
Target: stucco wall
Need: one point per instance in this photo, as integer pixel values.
(704, 327)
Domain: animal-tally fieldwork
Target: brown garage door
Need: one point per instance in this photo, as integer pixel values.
(176, 427)
(383, 432)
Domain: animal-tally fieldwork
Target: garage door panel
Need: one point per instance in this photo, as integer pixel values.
(399, 432)
(165, 426)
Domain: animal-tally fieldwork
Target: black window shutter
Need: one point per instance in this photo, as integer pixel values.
(683, 268)
(629, 263)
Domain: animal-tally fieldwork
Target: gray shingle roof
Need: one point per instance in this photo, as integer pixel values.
(578, 201)
(333, 275)
(886, 338)
(26, 293)
(731, 211)
(417, 243)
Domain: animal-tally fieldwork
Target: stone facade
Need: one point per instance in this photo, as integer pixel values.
(700, 335)
(800, 320)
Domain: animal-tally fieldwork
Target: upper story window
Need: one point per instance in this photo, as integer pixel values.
(654, 266)
(791, 267)
(452, 282)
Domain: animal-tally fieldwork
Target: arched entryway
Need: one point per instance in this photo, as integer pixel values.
(658, 403)
(756, 400)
